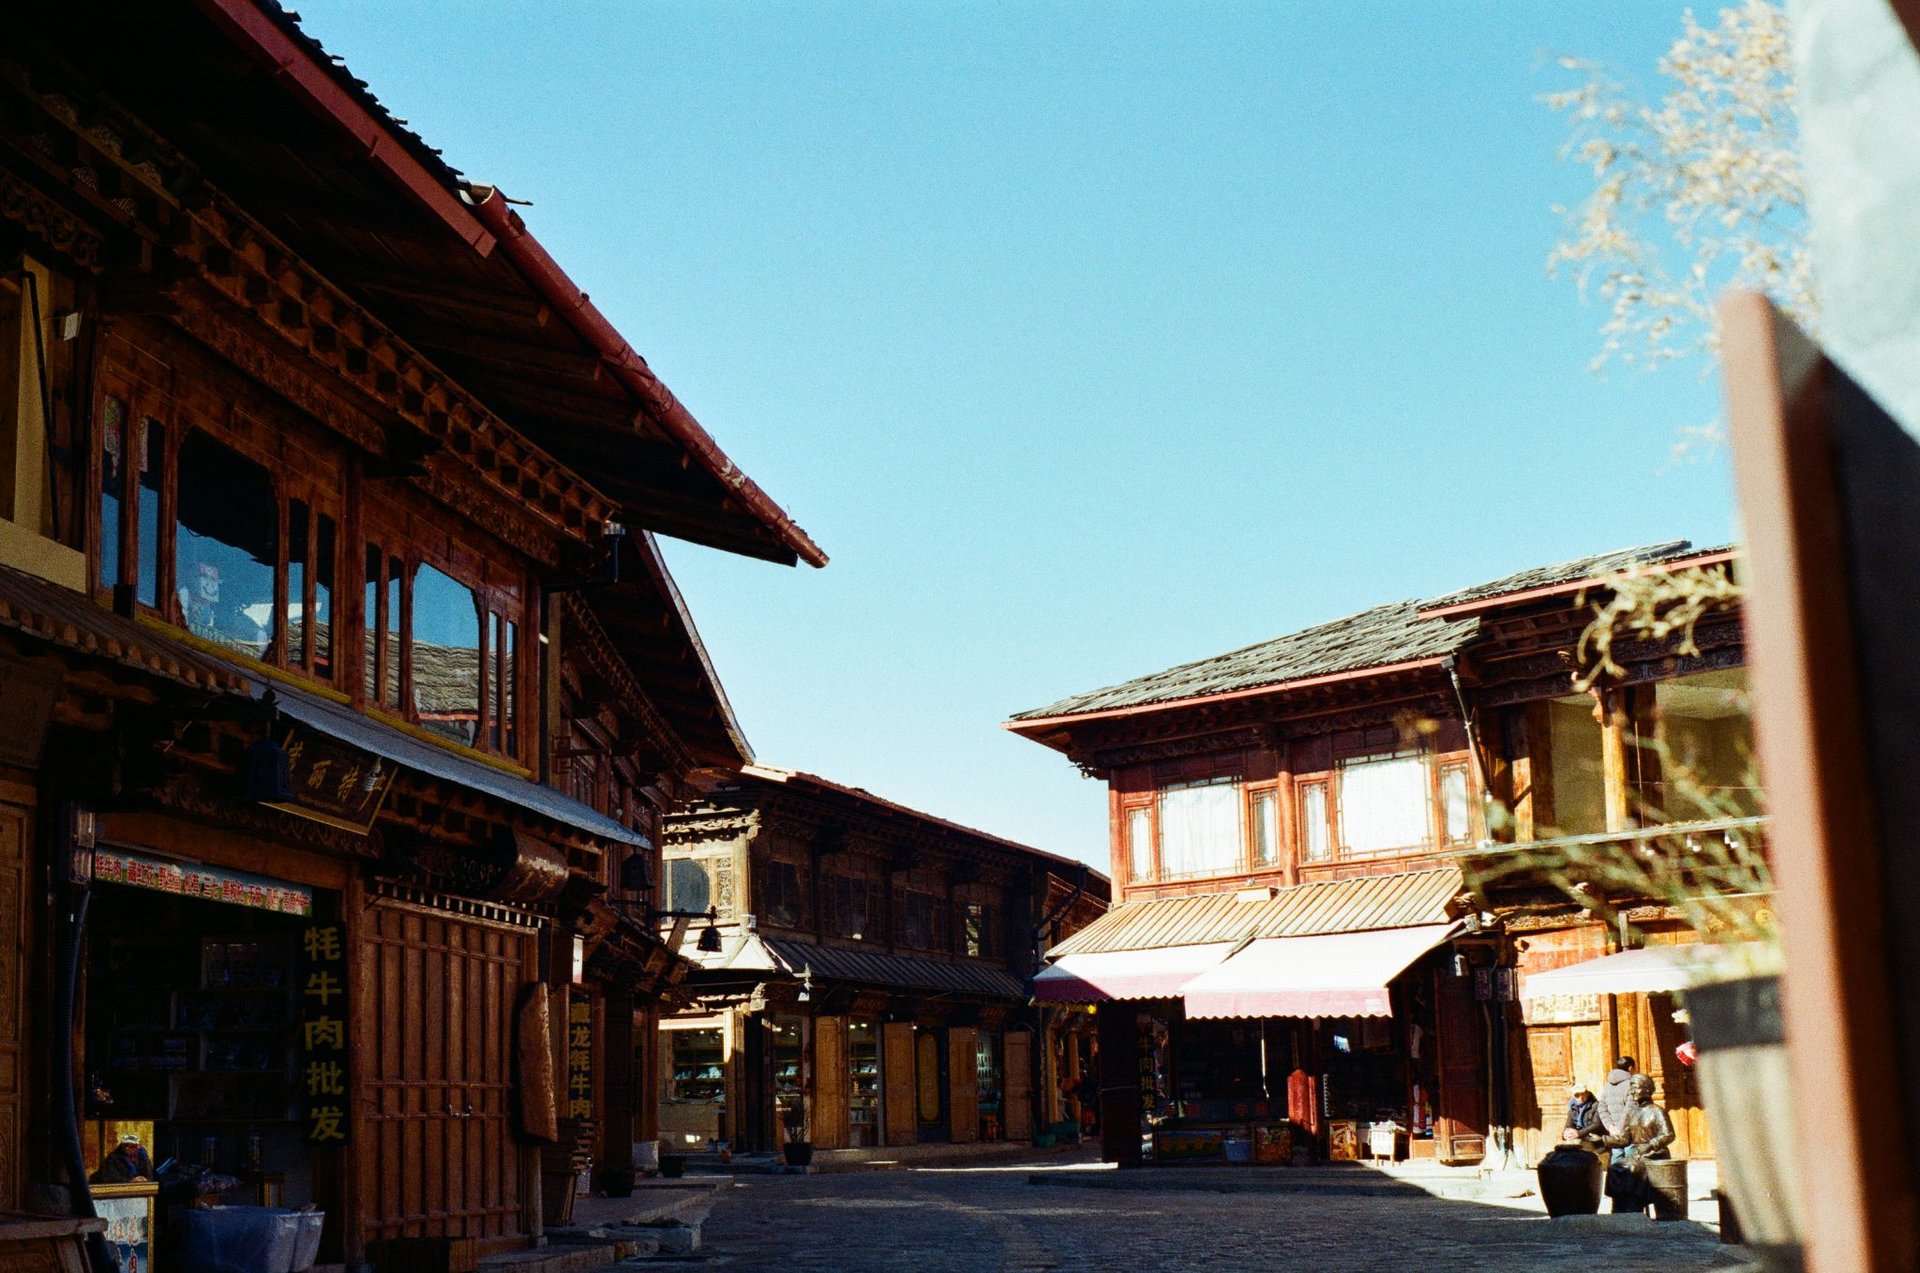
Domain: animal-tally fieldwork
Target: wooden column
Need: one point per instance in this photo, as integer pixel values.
(618, 1082)
(963, 1084)
(1616, 729)
(897, 1109)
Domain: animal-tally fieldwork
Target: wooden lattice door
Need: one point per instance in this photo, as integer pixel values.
(437, 1153)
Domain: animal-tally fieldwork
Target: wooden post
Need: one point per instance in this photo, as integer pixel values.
(1813, 635)
(1615, 776)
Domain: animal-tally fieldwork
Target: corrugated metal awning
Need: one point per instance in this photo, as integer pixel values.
(1403, 900)
(1325, 975)
(1100, 977)
(69, 619)
(382, 740)
(908, 972)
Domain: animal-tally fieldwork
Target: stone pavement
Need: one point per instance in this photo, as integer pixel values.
(1002, 1217)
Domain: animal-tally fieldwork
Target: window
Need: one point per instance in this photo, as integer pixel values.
(446, 647)
(780, 900)
(310, 536)
(1703, 745)
(849, 906)
(981, 930)
(1576, 790)
(1384, 803)
(1456, 811)
(226, 548)
(1140, 843)
(145, 447)
(380, 676)
(689, 888)
(152, 453)
(1316, 845)
(113, 477)
(1264, 816)
(917, 920)
(1201, 828)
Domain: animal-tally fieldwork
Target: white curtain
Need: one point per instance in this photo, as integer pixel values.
(1200, 829)
(1384, 804)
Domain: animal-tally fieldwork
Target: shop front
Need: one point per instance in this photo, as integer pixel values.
(1291, 1047)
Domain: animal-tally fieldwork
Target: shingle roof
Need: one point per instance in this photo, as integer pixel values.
(1385, 635)
(912, 972)
(1596, 566)
(1333, 906)
(1378, 637)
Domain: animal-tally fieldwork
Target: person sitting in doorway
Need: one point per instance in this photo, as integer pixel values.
(127, 1163)
(1583, 1115)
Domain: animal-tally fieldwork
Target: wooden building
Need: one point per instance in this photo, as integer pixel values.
(1301, 965)
(347, 688)
(872, 971)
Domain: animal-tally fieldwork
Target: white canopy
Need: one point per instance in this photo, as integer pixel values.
(1648, 970)
(1323, 975)
(1126, 974)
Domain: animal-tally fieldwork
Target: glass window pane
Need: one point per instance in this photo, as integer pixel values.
(446, 655)
(1140, 844)
(296, 618)
(225, 547)
(510, 678)
(1266, 828)
(113, 441)
(1453, 799)
(396, 579)
(370, 645)
(323, 547)
(688, 885)
(1200, 829)
(153, 459)
(1313, 822)
(1383, 804)
(494, 635)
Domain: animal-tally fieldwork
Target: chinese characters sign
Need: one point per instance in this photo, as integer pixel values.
(207, 883)
(579, 1058)
(324, 1062)
(332, 783)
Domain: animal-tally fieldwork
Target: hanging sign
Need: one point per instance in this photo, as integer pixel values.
(579, 1058)
(205, 883)
(333, 783)
(325, 1078)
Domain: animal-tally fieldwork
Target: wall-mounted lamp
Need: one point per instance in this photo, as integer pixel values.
(806, 984)
(709, 942)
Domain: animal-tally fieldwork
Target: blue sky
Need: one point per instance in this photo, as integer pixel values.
(1087, 338)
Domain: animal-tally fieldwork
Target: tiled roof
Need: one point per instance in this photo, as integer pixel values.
(1333, 906)
(1594, 567)
(1378, 637)
(67, 618)
(911, 972)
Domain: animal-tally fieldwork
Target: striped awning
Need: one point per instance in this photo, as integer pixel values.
(1325, 975)
(1099, 977)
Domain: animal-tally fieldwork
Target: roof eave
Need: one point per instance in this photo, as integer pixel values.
(1573, 587)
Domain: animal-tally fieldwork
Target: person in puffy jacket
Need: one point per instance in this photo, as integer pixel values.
(1616, 1098)
(1583, 1115)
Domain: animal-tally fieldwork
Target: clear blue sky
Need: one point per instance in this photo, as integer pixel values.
(1087, 338)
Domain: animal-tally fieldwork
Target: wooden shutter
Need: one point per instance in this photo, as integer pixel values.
(829, 1118)
(1460, 1122)
(897, 1111)
(963, 1082)
(1018, 1085)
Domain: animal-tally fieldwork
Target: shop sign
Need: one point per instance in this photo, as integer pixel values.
(579, 1058)
(1560, 1009)
(333, 783)
(505, 867)
(325, 1065)
(206, 883)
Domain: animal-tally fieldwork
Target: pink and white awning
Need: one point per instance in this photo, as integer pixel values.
(1324, 975)
(1160, 973)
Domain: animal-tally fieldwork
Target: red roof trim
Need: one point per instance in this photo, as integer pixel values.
(570, 302)
(1278, 687)
(1482, 604)
(243, 21)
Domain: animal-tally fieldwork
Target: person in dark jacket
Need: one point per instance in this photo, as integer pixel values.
(1583, 1115)
(128, 1162)
(1616, 1102)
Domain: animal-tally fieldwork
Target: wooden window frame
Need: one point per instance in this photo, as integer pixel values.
(1324, 784)
(1442, 766)
(1251, 792)
(1336, 802)
(1148, 804)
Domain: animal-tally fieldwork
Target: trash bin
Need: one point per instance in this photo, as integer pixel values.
(1667, 1181)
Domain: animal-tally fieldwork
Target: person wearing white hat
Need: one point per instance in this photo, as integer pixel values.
(127, 1162)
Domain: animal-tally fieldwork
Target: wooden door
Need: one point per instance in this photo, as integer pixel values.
(1018, 1086)
(437, 1154)
(963, 1080)
(16, 827)
(1460, 1112)
(828, 1124)
(896, 1070)
(930, 1084)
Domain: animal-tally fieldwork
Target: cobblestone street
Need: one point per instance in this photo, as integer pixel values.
(998, 1218)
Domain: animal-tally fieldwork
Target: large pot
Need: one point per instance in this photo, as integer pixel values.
(799, 1153)
(1743, 1079)
(1570, 1179)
